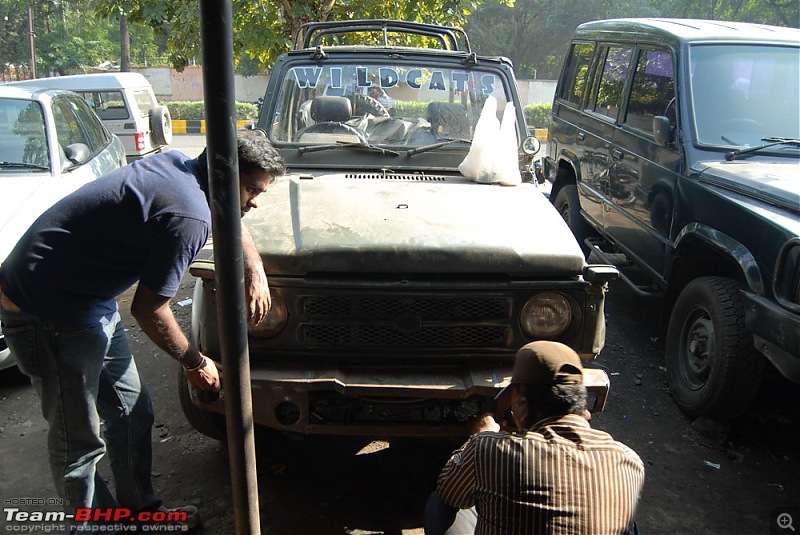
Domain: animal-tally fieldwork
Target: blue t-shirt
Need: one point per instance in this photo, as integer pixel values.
(143, 222)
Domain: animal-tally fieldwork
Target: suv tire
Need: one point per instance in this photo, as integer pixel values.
(712, 365)
(161, 125)
(569, 207)
(364, 104)
(208, 423)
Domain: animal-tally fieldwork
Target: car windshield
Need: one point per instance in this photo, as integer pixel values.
(402, 106)
(742, 94)
(23, 142)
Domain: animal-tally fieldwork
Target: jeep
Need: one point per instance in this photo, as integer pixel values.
(674, 153)
(401, 289)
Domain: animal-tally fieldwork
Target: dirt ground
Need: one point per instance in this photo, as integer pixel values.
(724, 481)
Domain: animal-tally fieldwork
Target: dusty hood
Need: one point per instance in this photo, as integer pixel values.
(777, 183)
(338, 224)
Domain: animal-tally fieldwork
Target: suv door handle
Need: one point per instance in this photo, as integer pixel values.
(617, 154)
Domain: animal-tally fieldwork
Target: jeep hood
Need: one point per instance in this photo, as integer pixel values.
(440, 225)
(777, 183)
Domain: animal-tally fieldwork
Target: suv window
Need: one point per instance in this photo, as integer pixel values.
(611, 80)
(576, 72)
(413, 105)
(742, 93)
(145, 101)
(653, 90)
(109, 105)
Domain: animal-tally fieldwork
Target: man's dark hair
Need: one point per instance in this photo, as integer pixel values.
(255, 152)
(555, 400)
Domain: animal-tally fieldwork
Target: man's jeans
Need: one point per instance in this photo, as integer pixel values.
(84, 375)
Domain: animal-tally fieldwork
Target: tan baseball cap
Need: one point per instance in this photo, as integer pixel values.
(545, 363)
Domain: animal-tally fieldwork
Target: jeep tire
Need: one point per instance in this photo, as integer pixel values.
(713, 367)
(161, 126)
(208, 423)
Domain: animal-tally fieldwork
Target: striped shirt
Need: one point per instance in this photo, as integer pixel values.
(560, 476)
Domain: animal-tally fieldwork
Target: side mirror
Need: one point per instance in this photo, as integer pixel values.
(531, 145)
(77, 153)
(662, 130)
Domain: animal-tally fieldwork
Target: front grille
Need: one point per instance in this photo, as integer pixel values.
(387, 321)
(386, 335)
(424, 307)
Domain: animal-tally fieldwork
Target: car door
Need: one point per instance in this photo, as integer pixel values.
(598, 126)
(643, 173)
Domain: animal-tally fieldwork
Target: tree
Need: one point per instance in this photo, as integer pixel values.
(534, 34)
(263, 29)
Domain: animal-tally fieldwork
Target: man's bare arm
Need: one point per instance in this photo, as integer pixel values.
(154, 315)
(256, 285)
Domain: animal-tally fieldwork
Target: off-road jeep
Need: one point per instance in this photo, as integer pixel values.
(675, 143)
(401, 290)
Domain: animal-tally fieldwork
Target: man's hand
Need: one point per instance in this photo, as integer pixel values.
(205, 378)
(256, 286)
(256, 289)
(483, 422)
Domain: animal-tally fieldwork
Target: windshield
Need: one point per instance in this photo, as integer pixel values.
(743, 93)
(403, 106)
(22, 135)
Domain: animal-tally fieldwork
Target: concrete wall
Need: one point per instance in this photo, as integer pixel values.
(169, 84)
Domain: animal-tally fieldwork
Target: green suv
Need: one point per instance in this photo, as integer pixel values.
(401, 289)
(674, 150)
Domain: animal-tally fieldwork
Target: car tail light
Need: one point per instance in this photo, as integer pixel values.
(139, 137)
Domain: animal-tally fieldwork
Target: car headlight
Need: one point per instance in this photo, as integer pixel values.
(276, 319)
(546, 316)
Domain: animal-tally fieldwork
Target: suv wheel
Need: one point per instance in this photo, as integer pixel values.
(208, 423)
(161, 125)
(712, 364)
(569, 207)
(364, 104)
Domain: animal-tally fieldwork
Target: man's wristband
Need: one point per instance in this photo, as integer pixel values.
(192, 360)
(200, 366)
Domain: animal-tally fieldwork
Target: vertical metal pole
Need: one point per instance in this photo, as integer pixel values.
(32, 42)
(218, 82)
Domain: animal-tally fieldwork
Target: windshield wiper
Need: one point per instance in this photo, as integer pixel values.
(24, 165)
(772, 142)
(434, 146)
(349, 145)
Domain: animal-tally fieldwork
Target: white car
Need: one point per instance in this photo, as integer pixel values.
(51, 143)
(126, 104)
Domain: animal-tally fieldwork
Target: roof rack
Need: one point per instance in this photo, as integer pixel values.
(451, 38)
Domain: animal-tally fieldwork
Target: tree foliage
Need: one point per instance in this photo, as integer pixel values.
(534, 33)
(263, 29)
(69, 38)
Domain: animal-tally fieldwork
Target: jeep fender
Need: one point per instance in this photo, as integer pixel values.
(567, 159)
(696, 239)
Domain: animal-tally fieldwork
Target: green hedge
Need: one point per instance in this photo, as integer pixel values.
(538, 115)
(184, 110)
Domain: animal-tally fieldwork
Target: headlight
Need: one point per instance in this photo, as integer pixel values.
(274, 322)
(546, 316)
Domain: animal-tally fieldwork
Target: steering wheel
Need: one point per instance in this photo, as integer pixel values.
(363, 104)
(331, 128)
